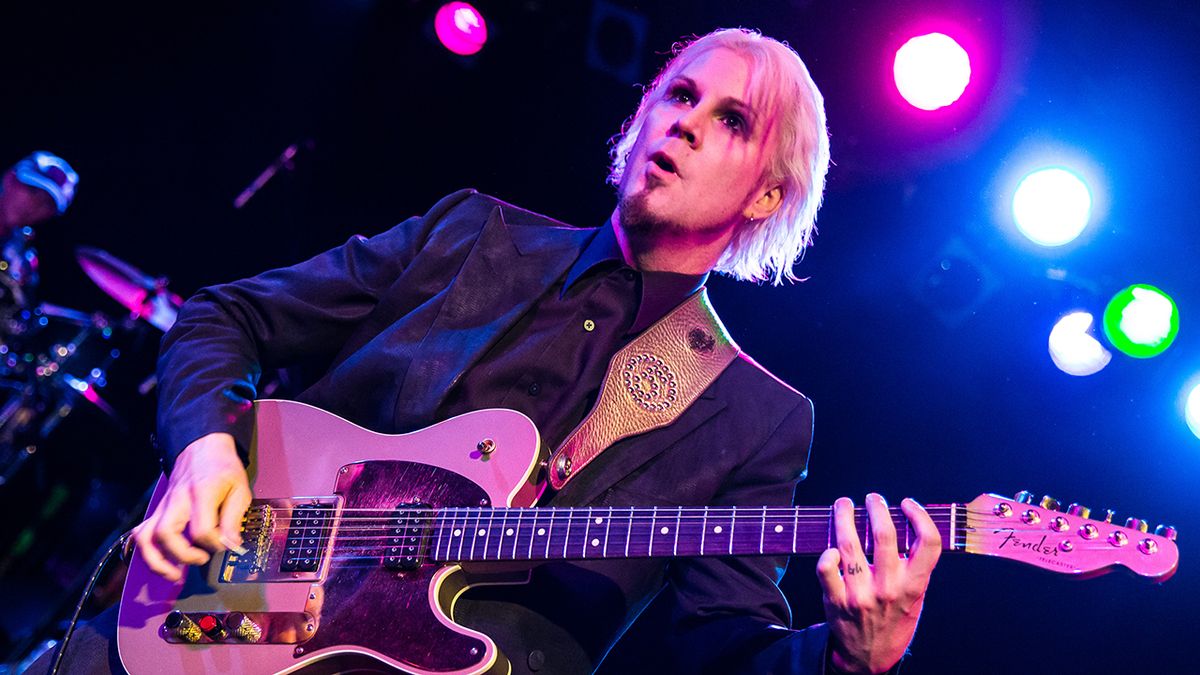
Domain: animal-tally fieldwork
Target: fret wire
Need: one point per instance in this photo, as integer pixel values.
(675, 548)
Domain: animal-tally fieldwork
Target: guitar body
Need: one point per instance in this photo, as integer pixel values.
(312, 468)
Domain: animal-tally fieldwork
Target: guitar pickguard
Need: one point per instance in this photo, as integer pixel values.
(361, 601)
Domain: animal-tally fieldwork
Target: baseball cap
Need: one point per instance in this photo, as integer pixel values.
(49, 172)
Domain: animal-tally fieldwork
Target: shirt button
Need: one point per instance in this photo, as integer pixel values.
(589, 325)
(534, 389)
(536, 660)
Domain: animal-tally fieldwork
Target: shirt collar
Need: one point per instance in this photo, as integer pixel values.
(660, 291)
(602, 249)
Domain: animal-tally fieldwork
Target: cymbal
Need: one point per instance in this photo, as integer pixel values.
(146, 297)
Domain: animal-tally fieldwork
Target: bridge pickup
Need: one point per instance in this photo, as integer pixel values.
(308, 531)
(406, 534)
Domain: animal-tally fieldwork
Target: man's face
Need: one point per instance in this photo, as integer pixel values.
(699, 160)
(22, 205)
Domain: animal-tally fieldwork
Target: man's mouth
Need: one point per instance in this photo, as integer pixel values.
(663, 162)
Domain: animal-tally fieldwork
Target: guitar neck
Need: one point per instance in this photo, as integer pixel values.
(491, 534)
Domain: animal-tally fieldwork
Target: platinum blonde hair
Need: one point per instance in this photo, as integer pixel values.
(799, 159)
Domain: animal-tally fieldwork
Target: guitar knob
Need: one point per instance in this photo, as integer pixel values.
(1050, 503)
(1079, 510)
(1137, 524)
(240, 625)
(1025, 497)
(1165, 531)
(1108, 515)
(181, 626)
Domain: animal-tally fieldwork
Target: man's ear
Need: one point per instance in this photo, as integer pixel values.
(766, 204)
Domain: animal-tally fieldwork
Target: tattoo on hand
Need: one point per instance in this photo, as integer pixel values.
(854, 569)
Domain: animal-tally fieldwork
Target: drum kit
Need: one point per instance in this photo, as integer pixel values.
(54, 359)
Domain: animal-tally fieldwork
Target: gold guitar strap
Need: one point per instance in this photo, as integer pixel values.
(650, 382)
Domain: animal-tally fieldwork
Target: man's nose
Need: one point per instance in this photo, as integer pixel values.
(688, 127)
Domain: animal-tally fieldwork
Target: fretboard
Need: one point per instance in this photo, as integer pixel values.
(478, 534)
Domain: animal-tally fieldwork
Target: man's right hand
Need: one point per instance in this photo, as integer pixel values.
(201, 512)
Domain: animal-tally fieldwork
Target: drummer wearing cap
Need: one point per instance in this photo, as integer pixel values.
(36, 189)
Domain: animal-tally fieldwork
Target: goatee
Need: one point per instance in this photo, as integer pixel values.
(636, 217)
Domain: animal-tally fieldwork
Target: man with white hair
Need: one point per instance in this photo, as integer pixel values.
(480, 304)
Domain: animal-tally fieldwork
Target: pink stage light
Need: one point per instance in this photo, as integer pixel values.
(932, 71)
(460, 28)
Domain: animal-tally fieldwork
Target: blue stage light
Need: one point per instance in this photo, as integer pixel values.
(1051, 206)
(1191, 410)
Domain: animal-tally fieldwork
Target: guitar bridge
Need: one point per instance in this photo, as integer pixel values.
(285, 540)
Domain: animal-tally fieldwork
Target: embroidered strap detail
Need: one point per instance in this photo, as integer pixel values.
(650, 382)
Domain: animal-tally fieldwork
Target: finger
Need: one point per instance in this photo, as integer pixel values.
(854, 562)
(927, 547)
(232, 513)
(151, 555)
(830, 576)
(202, 526)
(883, 532)
(168, 530)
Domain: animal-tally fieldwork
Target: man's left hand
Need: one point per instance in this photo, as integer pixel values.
(872, 607)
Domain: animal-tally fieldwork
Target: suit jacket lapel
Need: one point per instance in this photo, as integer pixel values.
(508, 268)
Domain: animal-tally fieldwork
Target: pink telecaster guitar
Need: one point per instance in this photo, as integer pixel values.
(336, 549)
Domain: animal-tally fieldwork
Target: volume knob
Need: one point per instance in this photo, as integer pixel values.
(181, 626)
(1079, 510)
(1025, 497)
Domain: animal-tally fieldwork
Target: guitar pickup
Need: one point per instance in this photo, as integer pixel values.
(308, 531)
(285, 540)
(406, 531)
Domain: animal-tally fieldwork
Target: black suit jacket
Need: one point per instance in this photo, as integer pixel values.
(397, 318)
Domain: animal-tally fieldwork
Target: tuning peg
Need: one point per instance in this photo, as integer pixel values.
(1079, 510)
(1137, 524)
(1108, 515)
(1165, 531)
(1050, 503)
(1024, 497)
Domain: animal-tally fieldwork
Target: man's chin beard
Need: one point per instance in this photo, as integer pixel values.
(636, 218)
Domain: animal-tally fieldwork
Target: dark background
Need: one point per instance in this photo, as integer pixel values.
(920, 332)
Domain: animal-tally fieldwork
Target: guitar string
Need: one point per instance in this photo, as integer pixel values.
(637, 539)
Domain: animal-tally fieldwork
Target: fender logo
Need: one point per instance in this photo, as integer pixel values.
(1037, 546)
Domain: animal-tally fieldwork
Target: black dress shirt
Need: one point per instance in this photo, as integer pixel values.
(551, 363)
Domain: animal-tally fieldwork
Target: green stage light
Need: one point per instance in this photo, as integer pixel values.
(1141, 321)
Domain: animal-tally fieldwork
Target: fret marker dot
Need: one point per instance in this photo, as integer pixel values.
(482, 532)
(599, 520)
(717, 529)
(541, 531)
(457, 533)
(665, 530)
(508, 532)
(778, 529)
(595, 542)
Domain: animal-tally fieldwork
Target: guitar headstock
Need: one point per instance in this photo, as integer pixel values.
(1066, 541)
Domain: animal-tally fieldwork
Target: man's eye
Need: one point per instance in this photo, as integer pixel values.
(681, 95)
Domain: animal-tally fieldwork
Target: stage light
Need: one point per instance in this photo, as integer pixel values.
(932, 71)
(1191, 411)
(460, 28)
(1051, 206)
(1073, 349)
(1141, 321)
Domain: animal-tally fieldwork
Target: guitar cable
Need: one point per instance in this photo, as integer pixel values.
(122, 545)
